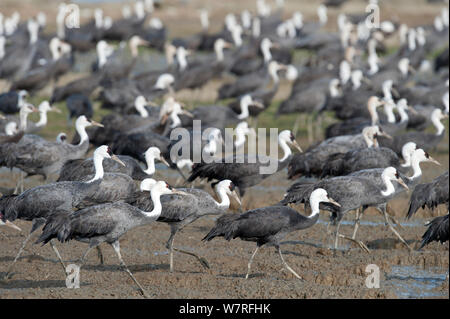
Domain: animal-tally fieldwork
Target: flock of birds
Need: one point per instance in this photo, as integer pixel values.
(367, 159)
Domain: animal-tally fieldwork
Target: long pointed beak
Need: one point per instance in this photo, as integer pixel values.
(413, 110)
(163, 160)
(2, 117)
(115, 158)
(432, 160)
(188, 113)
(410, 68)
(56, 110)
(295, 144)
(11, 225)
(402, 182)
(386, 135)
(151, 103)
(94, 123)
(257, 104)
(332, 201)
(236, 197)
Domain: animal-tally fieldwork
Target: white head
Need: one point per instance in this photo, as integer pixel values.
(219, 46)
(318, 196)
(333, 87)
(152, 154)
(266, 45)
(104, 51)
(274, 67)
(407, 151)
(139, 103)
(285, 140)
(181, 55)
(404, 67)
(391, 174)
(371, 133)
(147, 184)
(322, 13)
(291, 73)
(436, 117)
(134, 43)
(357, 77)
(204, 19)
(11, 128)
(100, 154)
(81, 124)
(164, 81)
(224, 189)
(214, 137)
(33, 30)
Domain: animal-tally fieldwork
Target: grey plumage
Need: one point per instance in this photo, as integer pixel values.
(429, 195)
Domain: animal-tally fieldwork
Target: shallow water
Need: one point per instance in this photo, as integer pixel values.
(413, 282)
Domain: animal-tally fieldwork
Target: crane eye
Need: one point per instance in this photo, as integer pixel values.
(110, 153)
(427, 155)
(396, 175)
(292, 137)
(232, 186)
(168, 186)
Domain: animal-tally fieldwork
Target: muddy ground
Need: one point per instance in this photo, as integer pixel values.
(326, 275)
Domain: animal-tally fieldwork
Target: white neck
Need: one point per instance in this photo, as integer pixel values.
(368, 140)
(417, 171)
(373, 113)
(150, 160)
(314, 207)
(219, 53)
(211, 147)
(403, 115)
(438, 125)
(42, 119)
(141, 110)
(23, 120)
(286, 149)
(390, 189)
(244, 111)
(389, 113)
(81, 130)
(182, 62)
(240, 139)
(266, 53)
(224, 199)
(157, 207)
(175, 119)
(98, 165)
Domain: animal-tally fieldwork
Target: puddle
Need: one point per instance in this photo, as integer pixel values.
(412, 282)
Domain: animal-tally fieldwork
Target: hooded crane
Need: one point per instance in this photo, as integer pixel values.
(429, 195)
(425, 141)
(269, 225)
(180, 211)
(366, 158)
(376, 175)
(76, 170)
(33, 127)
(244, 170)
(352, 192)
(313, 160)
(37, 156)
(38, 203)
(105, 223)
